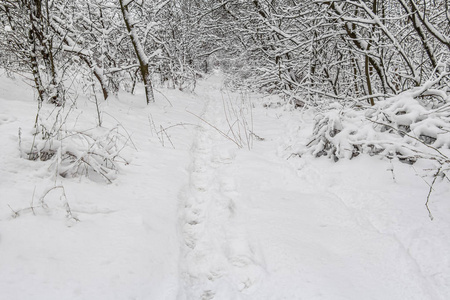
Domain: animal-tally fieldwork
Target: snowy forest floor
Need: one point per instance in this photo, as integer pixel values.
(193, 216)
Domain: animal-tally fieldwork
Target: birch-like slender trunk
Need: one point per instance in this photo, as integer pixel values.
(139, 50)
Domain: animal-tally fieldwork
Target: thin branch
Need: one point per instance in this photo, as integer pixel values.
(218, 130)
(429, 193)
(408, 135)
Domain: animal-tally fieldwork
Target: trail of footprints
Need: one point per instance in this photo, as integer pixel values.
(217, 259)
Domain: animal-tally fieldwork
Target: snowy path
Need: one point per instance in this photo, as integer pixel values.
(217, 260)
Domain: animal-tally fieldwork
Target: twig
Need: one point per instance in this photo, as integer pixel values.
(218, 130)
(179, 124)
(230, 126)
(293, 155)
(429, 193)
(95, 170)
(119, 123)
(32, 201)
(164, 97)
(20, 142)
(151, 123)
(15, 213)
(256, 136)
(97, 107)
(66, 203)
(168, 137)
(153, 128)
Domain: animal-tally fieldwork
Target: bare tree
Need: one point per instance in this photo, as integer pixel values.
(138, 49)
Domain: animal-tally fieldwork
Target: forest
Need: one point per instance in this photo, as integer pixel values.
(226, 101)
(356, 54)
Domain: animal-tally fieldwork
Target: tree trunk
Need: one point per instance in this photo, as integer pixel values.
(369, 82)
(33, 53)
(139, 50)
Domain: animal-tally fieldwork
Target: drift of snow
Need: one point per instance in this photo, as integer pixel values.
(193, 216)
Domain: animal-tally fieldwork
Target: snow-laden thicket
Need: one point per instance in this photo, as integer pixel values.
(71, 148)
(412, 126)
(337, 50)
(304, 51)
(403, 126)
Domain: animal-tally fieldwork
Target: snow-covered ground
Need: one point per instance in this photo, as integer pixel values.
(193, 216)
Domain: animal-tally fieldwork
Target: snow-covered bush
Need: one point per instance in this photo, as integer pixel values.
(74, 151)
(335, 134)
(405, 126)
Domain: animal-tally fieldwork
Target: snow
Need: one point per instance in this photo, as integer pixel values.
(205, 219)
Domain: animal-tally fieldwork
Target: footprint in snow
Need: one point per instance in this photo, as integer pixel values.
(5, 119)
